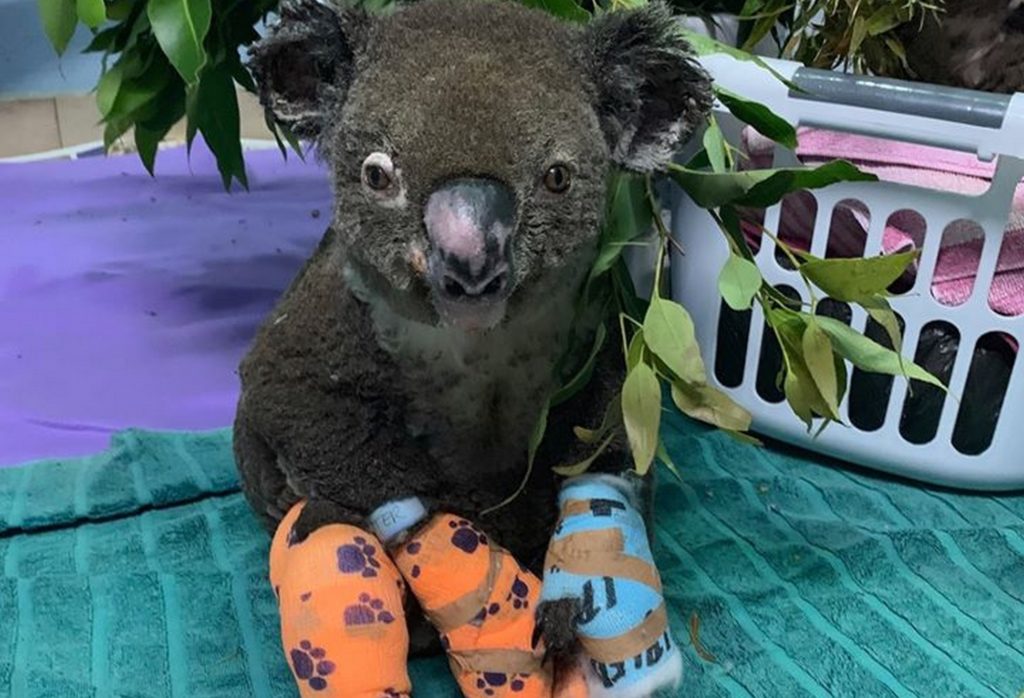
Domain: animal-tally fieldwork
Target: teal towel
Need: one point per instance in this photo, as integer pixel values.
(141, 572)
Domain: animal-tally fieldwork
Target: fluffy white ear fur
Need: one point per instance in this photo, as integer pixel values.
(664, 681)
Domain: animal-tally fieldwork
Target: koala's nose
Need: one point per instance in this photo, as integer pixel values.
(469, 223)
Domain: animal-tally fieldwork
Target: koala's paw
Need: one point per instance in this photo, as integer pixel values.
(556, 623)
(318, 513)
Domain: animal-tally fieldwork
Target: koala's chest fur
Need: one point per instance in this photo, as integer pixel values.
(474, 399)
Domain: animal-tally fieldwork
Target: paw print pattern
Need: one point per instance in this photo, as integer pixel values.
(414, 549)
(367, 612)
(310, 665)
(465, 537)
(489, 682)
(358, 557)
(480, 617)
(519, 594)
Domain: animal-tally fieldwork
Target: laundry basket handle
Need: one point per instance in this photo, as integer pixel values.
(980, 122)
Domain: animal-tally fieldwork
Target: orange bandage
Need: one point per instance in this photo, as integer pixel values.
(342, 620)
(482, 602)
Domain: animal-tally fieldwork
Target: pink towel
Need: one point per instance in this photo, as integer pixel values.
(922, 166)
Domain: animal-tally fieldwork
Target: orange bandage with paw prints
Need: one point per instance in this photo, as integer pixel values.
(342, 621)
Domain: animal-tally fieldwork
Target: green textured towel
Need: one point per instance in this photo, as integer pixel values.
(141, 572)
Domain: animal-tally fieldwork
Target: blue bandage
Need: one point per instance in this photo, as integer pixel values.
(600, 555)
(392, 518)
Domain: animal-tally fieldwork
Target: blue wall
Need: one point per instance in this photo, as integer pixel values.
(28, 65)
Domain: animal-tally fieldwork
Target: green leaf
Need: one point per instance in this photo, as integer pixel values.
(714, 146)
(704, 45)
(586, 371)
(871, 356)
(583, 465)
(635, 351)
(180, 26)
(757, 115)
(108, 87)
(885, 19)
(860, 32)
(103, 41)
(91, 12)
(669, 333)
(612, 419)
(566, 9)
(218, 118)
(854, 279)
(146, 141)
(664, 457)
(739, 282)
(820, 362)
(641, 414)
(710, 405)
(628, 215)
(881, 312)
(60, 19)
(762, 188)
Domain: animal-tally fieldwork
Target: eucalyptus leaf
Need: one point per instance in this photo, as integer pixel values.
(762, 188)
(714, 146)
(92, 13)
(871, 356)
(704, 45)
(760, 117)
(635, 351)
(670, 335)
(820, 362)
(60, 18)
(662, 455)
(739, 282)
(641, 414)
(881, 312)
(629, 215)
(857, 278)
(180, 26)
(710, 405)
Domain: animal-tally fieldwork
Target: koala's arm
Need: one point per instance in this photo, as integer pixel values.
(320, 416)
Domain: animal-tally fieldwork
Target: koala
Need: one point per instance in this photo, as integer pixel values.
(977, 44)
(469, 145)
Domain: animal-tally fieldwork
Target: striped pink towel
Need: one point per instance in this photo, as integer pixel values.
(922, 166)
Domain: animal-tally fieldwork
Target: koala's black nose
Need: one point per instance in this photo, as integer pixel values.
(469, 223)
(465, 287)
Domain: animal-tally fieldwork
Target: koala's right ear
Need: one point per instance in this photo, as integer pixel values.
(306, 60)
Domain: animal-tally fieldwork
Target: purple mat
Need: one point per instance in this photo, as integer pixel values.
(127, 301)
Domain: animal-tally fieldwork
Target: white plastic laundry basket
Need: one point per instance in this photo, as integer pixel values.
(979, 123)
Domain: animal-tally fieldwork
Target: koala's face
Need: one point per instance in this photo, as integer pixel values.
(470, 141)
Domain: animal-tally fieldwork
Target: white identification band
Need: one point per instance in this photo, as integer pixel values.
(390, 519)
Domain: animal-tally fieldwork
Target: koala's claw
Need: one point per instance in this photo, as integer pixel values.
(556, 625)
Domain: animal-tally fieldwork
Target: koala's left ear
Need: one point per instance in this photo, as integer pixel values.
(651, 92)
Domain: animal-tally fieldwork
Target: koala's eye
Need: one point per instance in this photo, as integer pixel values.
(378, 172)
(556, 179)
(377, 178)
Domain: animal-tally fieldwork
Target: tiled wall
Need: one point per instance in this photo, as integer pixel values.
(29, 126)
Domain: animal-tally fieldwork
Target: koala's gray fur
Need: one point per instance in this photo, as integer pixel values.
(355, 392)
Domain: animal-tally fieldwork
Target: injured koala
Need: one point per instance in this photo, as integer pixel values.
(399, 378)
